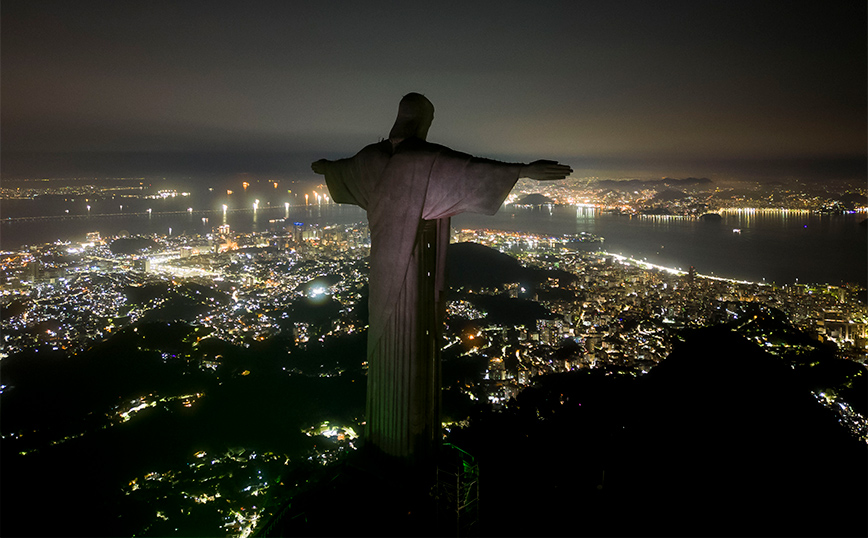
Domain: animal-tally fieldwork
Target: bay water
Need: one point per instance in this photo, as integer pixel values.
(761, 246)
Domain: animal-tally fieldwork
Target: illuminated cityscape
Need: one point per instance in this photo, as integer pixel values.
(194, 304)
(672, 340)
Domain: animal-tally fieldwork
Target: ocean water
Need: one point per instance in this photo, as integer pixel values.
(780, 247)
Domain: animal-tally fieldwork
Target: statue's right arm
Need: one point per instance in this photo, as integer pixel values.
(320, 166)
(341, 180)
(543, 170)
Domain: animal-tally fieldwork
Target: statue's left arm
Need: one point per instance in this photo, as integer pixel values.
(342, 179)
(351, 181)
(462, 183)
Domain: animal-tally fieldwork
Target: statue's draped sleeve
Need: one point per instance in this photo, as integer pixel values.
(460, 183)
(352, 180)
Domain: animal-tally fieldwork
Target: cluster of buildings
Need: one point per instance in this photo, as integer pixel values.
(618, 311)
(623, 313)
(694, 197)
(71, 189)
(227, 490)
(66, 295)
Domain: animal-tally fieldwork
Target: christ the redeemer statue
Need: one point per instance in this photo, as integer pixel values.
(410, 188)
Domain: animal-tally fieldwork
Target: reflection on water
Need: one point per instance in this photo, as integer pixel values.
(778, 246)
(775, 246)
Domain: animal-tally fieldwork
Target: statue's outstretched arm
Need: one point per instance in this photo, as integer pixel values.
(319, 167)
(543, 170)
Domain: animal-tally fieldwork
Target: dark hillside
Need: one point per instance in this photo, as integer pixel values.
(719, 440)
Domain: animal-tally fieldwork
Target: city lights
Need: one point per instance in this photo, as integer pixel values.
(242, 289)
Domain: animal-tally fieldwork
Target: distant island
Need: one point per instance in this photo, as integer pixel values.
(656, 211)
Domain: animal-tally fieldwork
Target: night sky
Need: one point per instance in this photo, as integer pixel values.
(515, 80)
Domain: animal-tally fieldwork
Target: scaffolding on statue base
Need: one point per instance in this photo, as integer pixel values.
(457, 490)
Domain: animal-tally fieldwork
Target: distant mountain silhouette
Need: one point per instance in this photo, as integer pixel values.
(633, 184)
(183, 301)
(656, 211)
(534, 199)
(472, 265)
(132, 245)
(667, 195)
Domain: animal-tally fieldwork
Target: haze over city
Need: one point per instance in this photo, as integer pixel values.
(673, 88)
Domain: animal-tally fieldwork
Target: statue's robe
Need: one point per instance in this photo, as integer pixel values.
(410, 192)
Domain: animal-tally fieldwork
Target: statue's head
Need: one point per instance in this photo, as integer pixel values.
(415, 114)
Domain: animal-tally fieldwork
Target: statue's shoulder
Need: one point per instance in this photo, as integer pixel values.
(383, 146)
(381, 151)
(421, 146)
